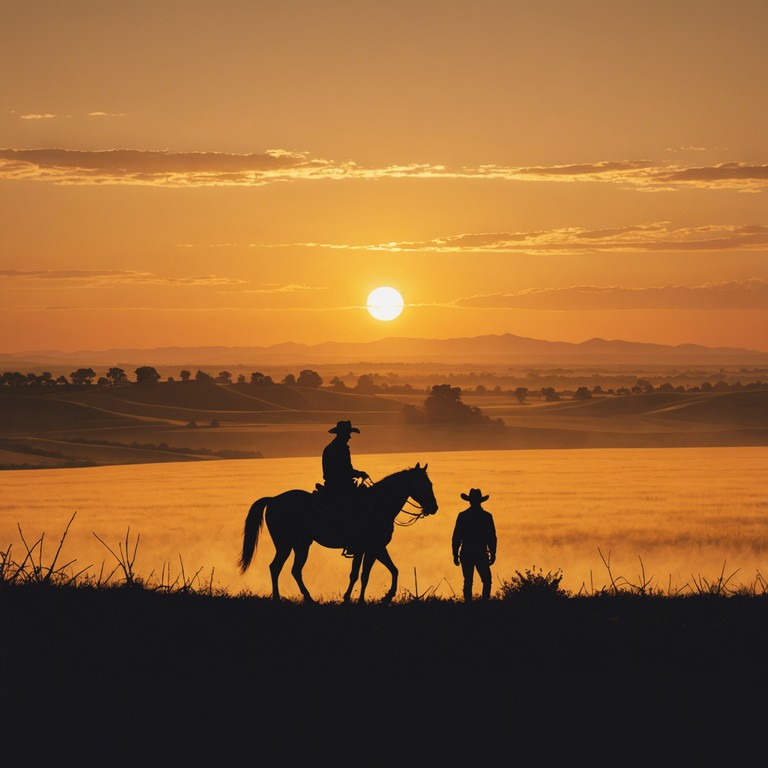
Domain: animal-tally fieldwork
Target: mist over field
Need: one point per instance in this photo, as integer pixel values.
(685, 512)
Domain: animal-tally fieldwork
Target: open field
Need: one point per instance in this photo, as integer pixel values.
(132, 423)
(685, 512)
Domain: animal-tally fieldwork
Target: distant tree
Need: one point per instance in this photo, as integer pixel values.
(82, 376)
(309, 378)
(203, 376)
(224, 377)
(481, 389)
(289, 379)
(644, 385)
(582, 393)
(185, 375)
(549, 394)
(117, 376)
(103, 381)
(259, 378)
(45, 379)
(521, 393)
(623, 391)
(241, 379)
(338, 385)
(598, 390)
(61, 380)
(666, 387)
(146, 374)
(365, 385)
(444, 405)
(170, 379)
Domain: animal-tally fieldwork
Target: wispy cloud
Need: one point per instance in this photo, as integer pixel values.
(659, 236)
(288, 288)
(106, 114)
(746, 294)
(87, 277)
(181, 169)
(46, 116)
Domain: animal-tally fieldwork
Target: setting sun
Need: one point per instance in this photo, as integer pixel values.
(385, 303)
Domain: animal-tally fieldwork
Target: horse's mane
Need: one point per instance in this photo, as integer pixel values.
(389, 479)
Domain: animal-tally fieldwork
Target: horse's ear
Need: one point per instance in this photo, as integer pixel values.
(417, 466)
(425, 466)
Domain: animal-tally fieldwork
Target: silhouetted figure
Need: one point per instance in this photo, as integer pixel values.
(474, 543)
(342, 490)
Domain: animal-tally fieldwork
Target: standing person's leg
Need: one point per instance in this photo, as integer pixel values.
(468, 569)
(484, 572)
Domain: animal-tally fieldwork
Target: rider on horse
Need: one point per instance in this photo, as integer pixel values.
(341, 489)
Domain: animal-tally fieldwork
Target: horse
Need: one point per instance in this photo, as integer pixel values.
(297, 518)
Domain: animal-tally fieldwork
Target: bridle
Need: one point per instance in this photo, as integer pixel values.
(413, 516)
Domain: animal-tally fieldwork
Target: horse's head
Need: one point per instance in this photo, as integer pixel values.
(421, 489)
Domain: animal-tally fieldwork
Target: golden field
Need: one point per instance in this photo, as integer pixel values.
(686, 512)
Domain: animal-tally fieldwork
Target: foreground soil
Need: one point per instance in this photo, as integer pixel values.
(118, 677)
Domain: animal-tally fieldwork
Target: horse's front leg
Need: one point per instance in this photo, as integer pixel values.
(386, 560)
(300, 554)
(353, 574)
(368, 560)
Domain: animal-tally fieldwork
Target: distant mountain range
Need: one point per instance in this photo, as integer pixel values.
(505, 349)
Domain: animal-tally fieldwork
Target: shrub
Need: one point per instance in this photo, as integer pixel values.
(533, 583)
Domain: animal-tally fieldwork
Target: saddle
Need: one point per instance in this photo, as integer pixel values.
(350, 517)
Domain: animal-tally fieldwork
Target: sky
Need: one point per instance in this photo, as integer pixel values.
(185, 173)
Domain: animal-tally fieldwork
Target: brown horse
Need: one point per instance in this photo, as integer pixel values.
(295, 519)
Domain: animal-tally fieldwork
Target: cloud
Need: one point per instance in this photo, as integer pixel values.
(660, 236)
(106, 114)
(183, 169)
(37, 117)
(288, 288)
(88, 277)
(746, 294)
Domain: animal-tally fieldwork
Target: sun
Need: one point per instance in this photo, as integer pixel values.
(385, 303)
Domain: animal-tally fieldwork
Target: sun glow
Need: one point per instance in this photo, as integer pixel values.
(385, 303)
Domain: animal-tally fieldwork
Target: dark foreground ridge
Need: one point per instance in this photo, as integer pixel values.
(125, 676)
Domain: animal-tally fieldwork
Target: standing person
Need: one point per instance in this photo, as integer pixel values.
(340, 476)
(474, 543)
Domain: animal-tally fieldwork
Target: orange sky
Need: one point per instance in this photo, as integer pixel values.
(190, 173)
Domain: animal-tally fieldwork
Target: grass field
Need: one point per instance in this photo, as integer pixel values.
(679, 514)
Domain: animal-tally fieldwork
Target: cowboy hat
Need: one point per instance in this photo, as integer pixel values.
(474, 496)
(343, 427)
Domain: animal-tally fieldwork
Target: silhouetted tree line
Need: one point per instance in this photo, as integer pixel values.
(366, 384)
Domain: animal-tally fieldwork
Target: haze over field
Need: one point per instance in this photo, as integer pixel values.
(686, 512)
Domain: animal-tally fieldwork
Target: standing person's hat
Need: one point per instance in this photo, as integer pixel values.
(343, 427)
(474, 496)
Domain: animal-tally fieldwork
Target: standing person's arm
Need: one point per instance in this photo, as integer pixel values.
(491, 540)
(456, 542)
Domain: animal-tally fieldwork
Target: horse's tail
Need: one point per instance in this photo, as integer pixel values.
(251, 530)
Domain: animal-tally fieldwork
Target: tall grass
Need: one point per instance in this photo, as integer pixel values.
(32, 569)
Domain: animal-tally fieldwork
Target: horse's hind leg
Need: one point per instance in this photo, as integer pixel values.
(278, 561)
(301, 552)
